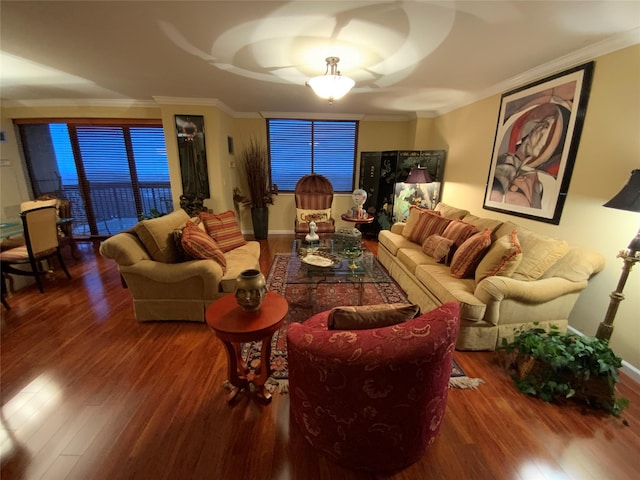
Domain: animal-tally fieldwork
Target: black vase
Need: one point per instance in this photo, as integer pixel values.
(260, 219)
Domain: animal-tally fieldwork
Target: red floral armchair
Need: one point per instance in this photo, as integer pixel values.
(372, 399)
(314, 197)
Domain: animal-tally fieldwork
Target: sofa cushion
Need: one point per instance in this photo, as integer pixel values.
(437, 247)
(157, 237)
(413, 256)
(438, 280)
(224, 229)
(413, 218)
(482, 223)
(502, 259)
(539, 253)
(239, 259)
(201, 246)
(428, 224)
(468, 256)
(448, 211)
(577, 265)
(370, 316)
(394, 241)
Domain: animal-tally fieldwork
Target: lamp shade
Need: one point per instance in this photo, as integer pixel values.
(629, 197)
(331, 87)
(418, 175)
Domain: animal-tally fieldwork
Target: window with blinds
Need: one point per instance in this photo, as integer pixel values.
(300, 147)
(111, 173)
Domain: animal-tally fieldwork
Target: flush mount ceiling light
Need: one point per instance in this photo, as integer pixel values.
(332, 85)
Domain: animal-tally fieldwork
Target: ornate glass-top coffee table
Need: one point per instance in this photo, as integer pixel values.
(327, 262)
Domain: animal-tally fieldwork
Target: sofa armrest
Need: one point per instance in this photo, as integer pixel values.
(124, 248)
(510, 301)
(398, 227)
(497, 289)
(176, 272)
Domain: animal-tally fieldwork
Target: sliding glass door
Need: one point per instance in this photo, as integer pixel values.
(112, 173)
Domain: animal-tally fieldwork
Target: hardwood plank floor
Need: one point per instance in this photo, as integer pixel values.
(89, 393)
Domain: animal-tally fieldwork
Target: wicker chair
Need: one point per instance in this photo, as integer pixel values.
(372, 399)
(314, 196)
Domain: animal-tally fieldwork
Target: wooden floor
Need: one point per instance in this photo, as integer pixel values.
(89, 393)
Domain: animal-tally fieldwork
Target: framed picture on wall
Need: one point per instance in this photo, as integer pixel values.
(537, 137)
(193, 156)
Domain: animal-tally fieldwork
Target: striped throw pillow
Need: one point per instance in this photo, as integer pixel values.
(200, 245)
(224, 229)
(428, 224)
(459, 232)
(469, 254)
(412, 219)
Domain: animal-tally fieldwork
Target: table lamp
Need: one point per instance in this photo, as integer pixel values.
(627, 199)
(421, 175)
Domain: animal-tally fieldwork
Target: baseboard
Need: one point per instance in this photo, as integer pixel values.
(631, 371)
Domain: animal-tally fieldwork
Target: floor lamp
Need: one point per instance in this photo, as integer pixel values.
(627, 199)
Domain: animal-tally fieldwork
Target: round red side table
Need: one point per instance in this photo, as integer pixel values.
(234, 326)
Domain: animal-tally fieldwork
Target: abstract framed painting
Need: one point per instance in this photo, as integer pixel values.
(534, 151)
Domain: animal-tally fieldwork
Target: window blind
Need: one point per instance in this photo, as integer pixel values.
(300, 147)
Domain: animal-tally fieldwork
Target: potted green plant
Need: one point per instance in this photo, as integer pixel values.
(555, 365)
(255, 166)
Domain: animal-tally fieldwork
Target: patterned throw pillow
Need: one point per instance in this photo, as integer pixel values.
(469, 254)
(200, 245)
(502, 259)
(371, 316)
(224, 229)
(437, 247)
(305, 216)
(428, 224)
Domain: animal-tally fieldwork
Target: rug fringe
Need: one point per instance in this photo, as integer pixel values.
(271, 385)
(465, 382)
(282, 385)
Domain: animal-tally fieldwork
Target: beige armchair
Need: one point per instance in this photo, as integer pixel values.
(164, 285)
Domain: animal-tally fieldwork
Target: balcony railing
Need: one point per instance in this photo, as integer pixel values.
(114, 207)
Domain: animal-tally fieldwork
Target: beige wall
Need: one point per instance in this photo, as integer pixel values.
(609, 150)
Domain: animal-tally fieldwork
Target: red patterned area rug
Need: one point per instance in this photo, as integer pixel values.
(327, 296)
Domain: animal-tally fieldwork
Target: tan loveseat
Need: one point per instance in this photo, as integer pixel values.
(164, 286)
(493, 307)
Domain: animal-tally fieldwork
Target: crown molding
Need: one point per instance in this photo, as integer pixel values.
(611, 44)
(205, 102)
(312, 116)
(85, 102)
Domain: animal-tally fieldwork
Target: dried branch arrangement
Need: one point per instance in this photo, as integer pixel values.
(255, 165)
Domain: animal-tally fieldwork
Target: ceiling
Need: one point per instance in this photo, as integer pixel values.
(408, 58)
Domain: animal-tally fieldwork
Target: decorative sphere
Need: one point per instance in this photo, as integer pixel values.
(359, 196)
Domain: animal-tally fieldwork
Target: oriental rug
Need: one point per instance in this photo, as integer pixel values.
(327, 296)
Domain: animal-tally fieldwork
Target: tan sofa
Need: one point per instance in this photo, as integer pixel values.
(496, 305)
(164, 286)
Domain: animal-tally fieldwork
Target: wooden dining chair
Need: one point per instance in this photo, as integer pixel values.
(41, 243)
